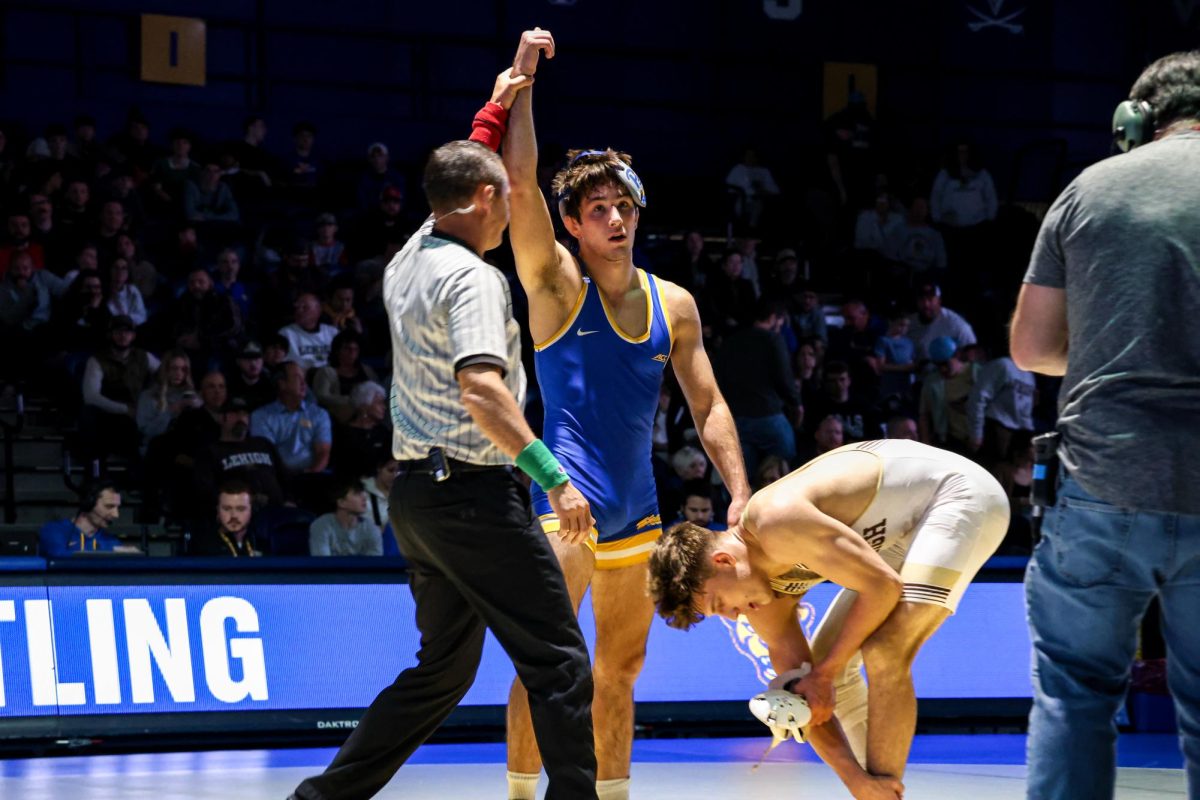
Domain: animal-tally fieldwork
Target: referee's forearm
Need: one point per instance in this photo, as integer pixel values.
(494, 409)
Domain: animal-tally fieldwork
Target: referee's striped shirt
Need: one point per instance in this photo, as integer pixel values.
(447, 308)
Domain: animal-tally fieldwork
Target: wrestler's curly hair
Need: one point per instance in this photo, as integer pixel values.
(679, 567)
(582, 174)
(1171, 85)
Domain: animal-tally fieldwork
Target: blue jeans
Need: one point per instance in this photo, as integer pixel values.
(1088, 585)
(765, 436)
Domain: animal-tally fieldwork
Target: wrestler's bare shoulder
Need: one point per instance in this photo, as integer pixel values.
(840, 483)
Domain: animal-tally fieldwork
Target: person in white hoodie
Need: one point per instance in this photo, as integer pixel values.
(1000, 403)
(378, 487)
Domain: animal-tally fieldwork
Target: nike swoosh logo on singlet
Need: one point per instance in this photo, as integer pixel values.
(582, 332)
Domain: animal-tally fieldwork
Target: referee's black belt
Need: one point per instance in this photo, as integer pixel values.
(425, 465)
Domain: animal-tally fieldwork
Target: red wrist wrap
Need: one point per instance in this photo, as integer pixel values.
(489, 125)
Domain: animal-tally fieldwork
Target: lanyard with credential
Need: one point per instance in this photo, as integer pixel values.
(95, 542)
(233, 548)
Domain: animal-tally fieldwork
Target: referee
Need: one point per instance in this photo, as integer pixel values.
(477, 558)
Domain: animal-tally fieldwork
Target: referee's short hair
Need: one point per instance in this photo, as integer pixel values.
(456, 170)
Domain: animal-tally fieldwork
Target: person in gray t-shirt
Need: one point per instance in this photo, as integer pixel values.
(349, 529)
(1110, 301)
(932, 321)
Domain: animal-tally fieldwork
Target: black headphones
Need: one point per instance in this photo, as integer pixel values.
(1133, 125)
(91, 494)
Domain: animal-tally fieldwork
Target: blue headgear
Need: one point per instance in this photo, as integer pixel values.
(621, 170)
(942, 349)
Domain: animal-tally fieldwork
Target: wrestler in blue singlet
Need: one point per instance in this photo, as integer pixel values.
(600, 389)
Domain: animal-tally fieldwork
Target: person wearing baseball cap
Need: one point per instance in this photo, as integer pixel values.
(112, 381)
(238, 455)
(383, 223)
(248, 383)
(377, 176)
(942, 419)
(933, 320)
(942, 349)
(327, 251)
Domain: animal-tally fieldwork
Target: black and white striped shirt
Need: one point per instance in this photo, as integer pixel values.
(447, 308)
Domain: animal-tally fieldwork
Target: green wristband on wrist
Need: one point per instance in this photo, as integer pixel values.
(539, 463)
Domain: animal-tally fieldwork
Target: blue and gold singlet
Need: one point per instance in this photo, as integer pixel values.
(600, 389)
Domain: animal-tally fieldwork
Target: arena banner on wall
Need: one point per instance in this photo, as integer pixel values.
(87, 650)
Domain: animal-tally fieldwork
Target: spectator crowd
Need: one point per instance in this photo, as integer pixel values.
(211, 314)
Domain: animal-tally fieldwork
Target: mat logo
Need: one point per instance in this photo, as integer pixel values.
(751, 645)
(146, 656)
(995, 16)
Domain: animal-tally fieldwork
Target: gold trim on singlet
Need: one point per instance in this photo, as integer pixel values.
(566, 326)
(666, 312)
(612, 320)
(796, 581)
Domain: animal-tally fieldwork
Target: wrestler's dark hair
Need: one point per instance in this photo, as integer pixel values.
(582, 174)
(1171, 85)
(455, 170)
(679, 566)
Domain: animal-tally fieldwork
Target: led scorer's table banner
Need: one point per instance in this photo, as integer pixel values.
(108, 650)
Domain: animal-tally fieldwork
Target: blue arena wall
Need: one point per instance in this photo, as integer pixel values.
(161, 650)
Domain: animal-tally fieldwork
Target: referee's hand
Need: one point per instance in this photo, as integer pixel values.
(573, 511)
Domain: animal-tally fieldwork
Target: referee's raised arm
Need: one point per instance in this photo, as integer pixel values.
(468, 192)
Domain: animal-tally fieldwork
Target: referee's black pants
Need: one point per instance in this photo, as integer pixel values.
(478, 560)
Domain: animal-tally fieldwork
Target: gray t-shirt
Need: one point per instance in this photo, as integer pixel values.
(1124, 241)
(327, 537)
(948, 323)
